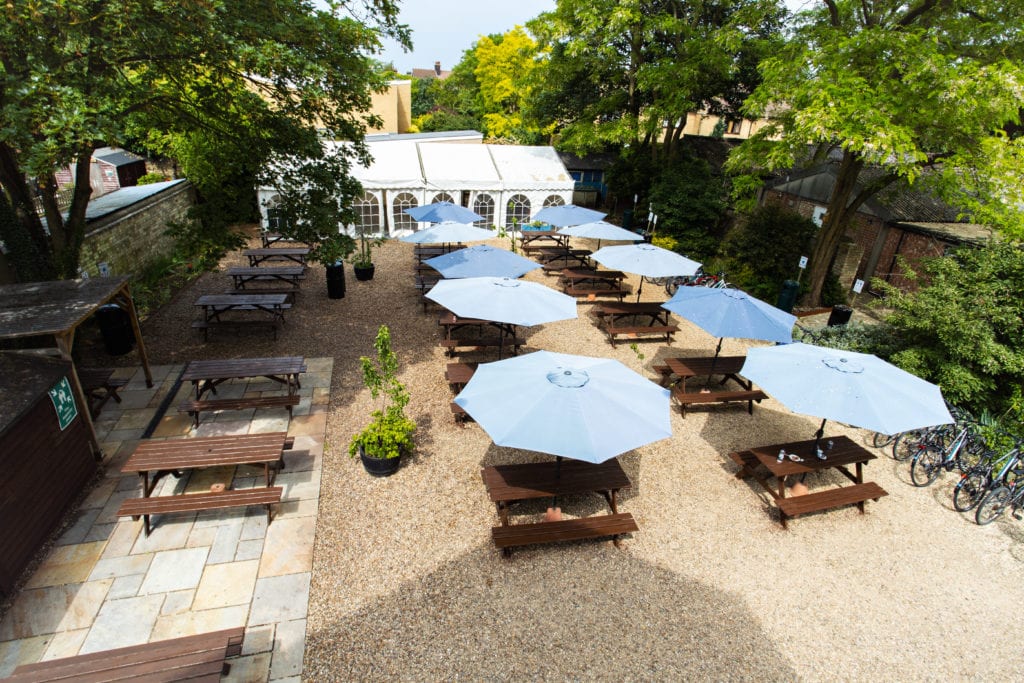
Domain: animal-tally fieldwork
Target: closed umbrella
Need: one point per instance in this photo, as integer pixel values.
(568, 214)
(439, 212)
(503, 300)
(855, 388)
(448, 231)
(589, 409)
(731, 313)
(645, 260)
(482, 260)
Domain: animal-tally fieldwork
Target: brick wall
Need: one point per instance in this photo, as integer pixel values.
(132, 237)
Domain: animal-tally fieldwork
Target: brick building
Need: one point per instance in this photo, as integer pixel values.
(899, 221)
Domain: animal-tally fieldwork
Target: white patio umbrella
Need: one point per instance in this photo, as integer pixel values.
(503, 300)
(645, 260)
(589, 409)
(601, 230)
(482, 260)
(568, 214)
(449, 231)
(443, 211)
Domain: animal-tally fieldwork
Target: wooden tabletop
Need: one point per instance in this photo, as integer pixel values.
(548, 479)
(243, 367)
(233, 300)
(696, 367)
(277, 251)
(248, 271)
(627, 308)
(174, 454)
(592, 274)
(844, 452)
(459, 373)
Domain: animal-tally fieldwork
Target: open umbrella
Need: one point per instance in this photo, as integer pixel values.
(439, 212)
(568, 214)
(646, 260)
(731, 313)
(448, 231)
(589, 409)
(503, 300)
(856, 388)
(601, 230)
(481, 261)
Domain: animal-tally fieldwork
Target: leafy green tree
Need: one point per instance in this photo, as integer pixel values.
(691, 202)
(268, 78)
(503, 69)
(763, 250)
(964, 327)
(907, 87)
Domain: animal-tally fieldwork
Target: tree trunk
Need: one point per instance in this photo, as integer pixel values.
(20, 227)
(838, 213)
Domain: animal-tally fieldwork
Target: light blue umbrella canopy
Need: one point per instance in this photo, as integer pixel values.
(568, 214)
(482, 260)
(601, 230)
(449, 231)
(589, 409)
(858, 389)
(732, 313)
(503, 300)
(646, 260)
(439, 212)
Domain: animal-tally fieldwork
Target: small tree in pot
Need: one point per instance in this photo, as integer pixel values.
(362, 259)
(389, 434)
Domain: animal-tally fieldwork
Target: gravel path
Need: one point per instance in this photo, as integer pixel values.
(407, 585)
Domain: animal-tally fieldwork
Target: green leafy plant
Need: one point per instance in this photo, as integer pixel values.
(363, 256)
(389, 432)
(332, 250)
(635, 348)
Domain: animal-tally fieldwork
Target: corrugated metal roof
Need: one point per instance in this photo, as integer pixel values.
(115, 156)
(126, 196)
(971, 233)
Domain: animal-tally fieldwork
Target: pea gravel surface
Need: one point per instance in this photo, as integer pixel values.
(407, 584)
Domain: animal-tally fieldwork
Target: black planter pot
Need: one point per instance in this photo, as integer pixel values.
(379, 467)
(336, 281)
(364, 273)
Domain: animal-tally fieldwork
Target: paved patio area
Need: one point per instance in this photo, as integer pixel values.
(103, 584)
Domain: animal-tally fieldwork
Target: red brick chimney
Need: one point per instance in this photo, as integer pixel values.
(437, 68)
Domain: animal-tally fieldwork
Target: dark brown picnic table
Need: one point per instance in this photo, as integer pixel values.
(205, 375)
(728, 366)
(295, 254)
(245, 275)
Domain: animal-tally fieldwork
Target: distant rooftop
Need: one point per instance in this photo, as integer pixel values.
(441, 135)
(126, 196)
(437, 72)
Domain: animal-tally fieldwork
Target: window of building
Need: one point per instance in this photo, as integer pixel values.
(734, 126)
(484, 205)
(368, 213)
(553, 200)
(400, 220)
(517, 210)
(442, 197)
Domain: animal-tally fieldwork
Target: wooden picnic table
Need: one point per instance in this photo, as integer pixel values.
(591, 276)
(245, 275)
(508, 484)
(166, 456)
(613, 312)
(205, 375)
(216, 305)
(451, 322)
(761, 463)
(551, 255)
(459, 374)
(295, 254)
(528, 237)
(728, 366)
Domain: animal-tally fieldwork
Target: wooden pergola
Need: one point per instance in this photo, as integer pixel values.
(56, 309)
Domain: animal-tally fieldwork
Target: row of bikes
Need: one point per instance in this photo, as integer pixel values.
(991, 477)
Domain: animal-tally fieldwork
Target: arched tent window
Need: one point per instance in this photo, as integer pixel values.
(367, 211)
(442, 197)
(484, 205)
(553, 200)
(400, 220)
(275, 220)
(517, 210)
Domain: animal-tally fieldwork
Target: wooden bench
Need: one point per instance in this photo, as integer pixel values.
(856, 494)
(194, 407)
(452, 345)
(590, 291)
(189, 658)
(99, 386)
(195, 502)
(686, 398)
(460, 414)
(636, 330)
(506, 537)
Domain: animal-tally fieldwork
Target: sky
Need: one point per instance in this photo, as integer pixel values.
(443, 29)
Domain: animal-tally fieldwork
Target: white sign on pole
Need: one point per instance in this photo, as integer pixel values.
(858, 286)
(803, 262)
(104, 269)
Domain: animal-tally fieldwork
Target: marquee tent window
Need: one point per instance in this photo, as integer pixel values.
(400, 220)
(442, 197)
(368, 211)
(553, 200)
(517, 210)
(484, 205)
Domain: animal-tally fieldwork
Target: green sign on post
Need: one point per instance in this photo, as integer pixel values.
(63, 402)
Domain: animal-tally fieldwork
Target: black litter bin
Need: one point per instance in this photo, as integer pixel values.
(840, 315)
(116, 328)
(336, 281)
(627, 218)
(787, 297)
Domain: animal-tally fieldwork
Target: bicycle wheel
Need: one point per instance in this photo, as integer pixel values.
(926, 466)
(992, 505)
(880, 440)
(671, 286)
(970, 489)
(906, 445)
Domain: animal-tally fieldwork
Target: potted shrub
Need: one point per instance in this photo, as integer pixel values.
(389, 434)
(362, 259)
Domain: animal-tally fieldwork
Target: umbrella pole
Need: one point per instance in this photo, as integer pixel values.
(640, 288)
(817, 438)
(711, 370)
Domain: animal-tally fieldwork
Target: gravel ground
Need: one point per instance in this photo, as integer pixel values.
(407, 585)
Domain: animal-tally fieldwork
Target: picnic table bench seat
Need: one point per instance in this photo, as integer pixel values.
(452, 346)
(196, 406)
(597, 526)
(686, 398)
(619, 291)
(99, 386)
(633, 331)
(195, 502)
(290, 292)
(855, 494)
(197, 657)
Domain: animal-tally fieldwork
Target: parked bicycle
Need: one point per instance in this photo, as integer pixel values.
(1008, 492)
(908, 444)
(699, 279)
(976, 481)
(938, 454)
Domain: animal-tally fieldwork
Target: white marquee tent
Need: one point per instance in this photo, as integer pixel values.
(503, 183)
